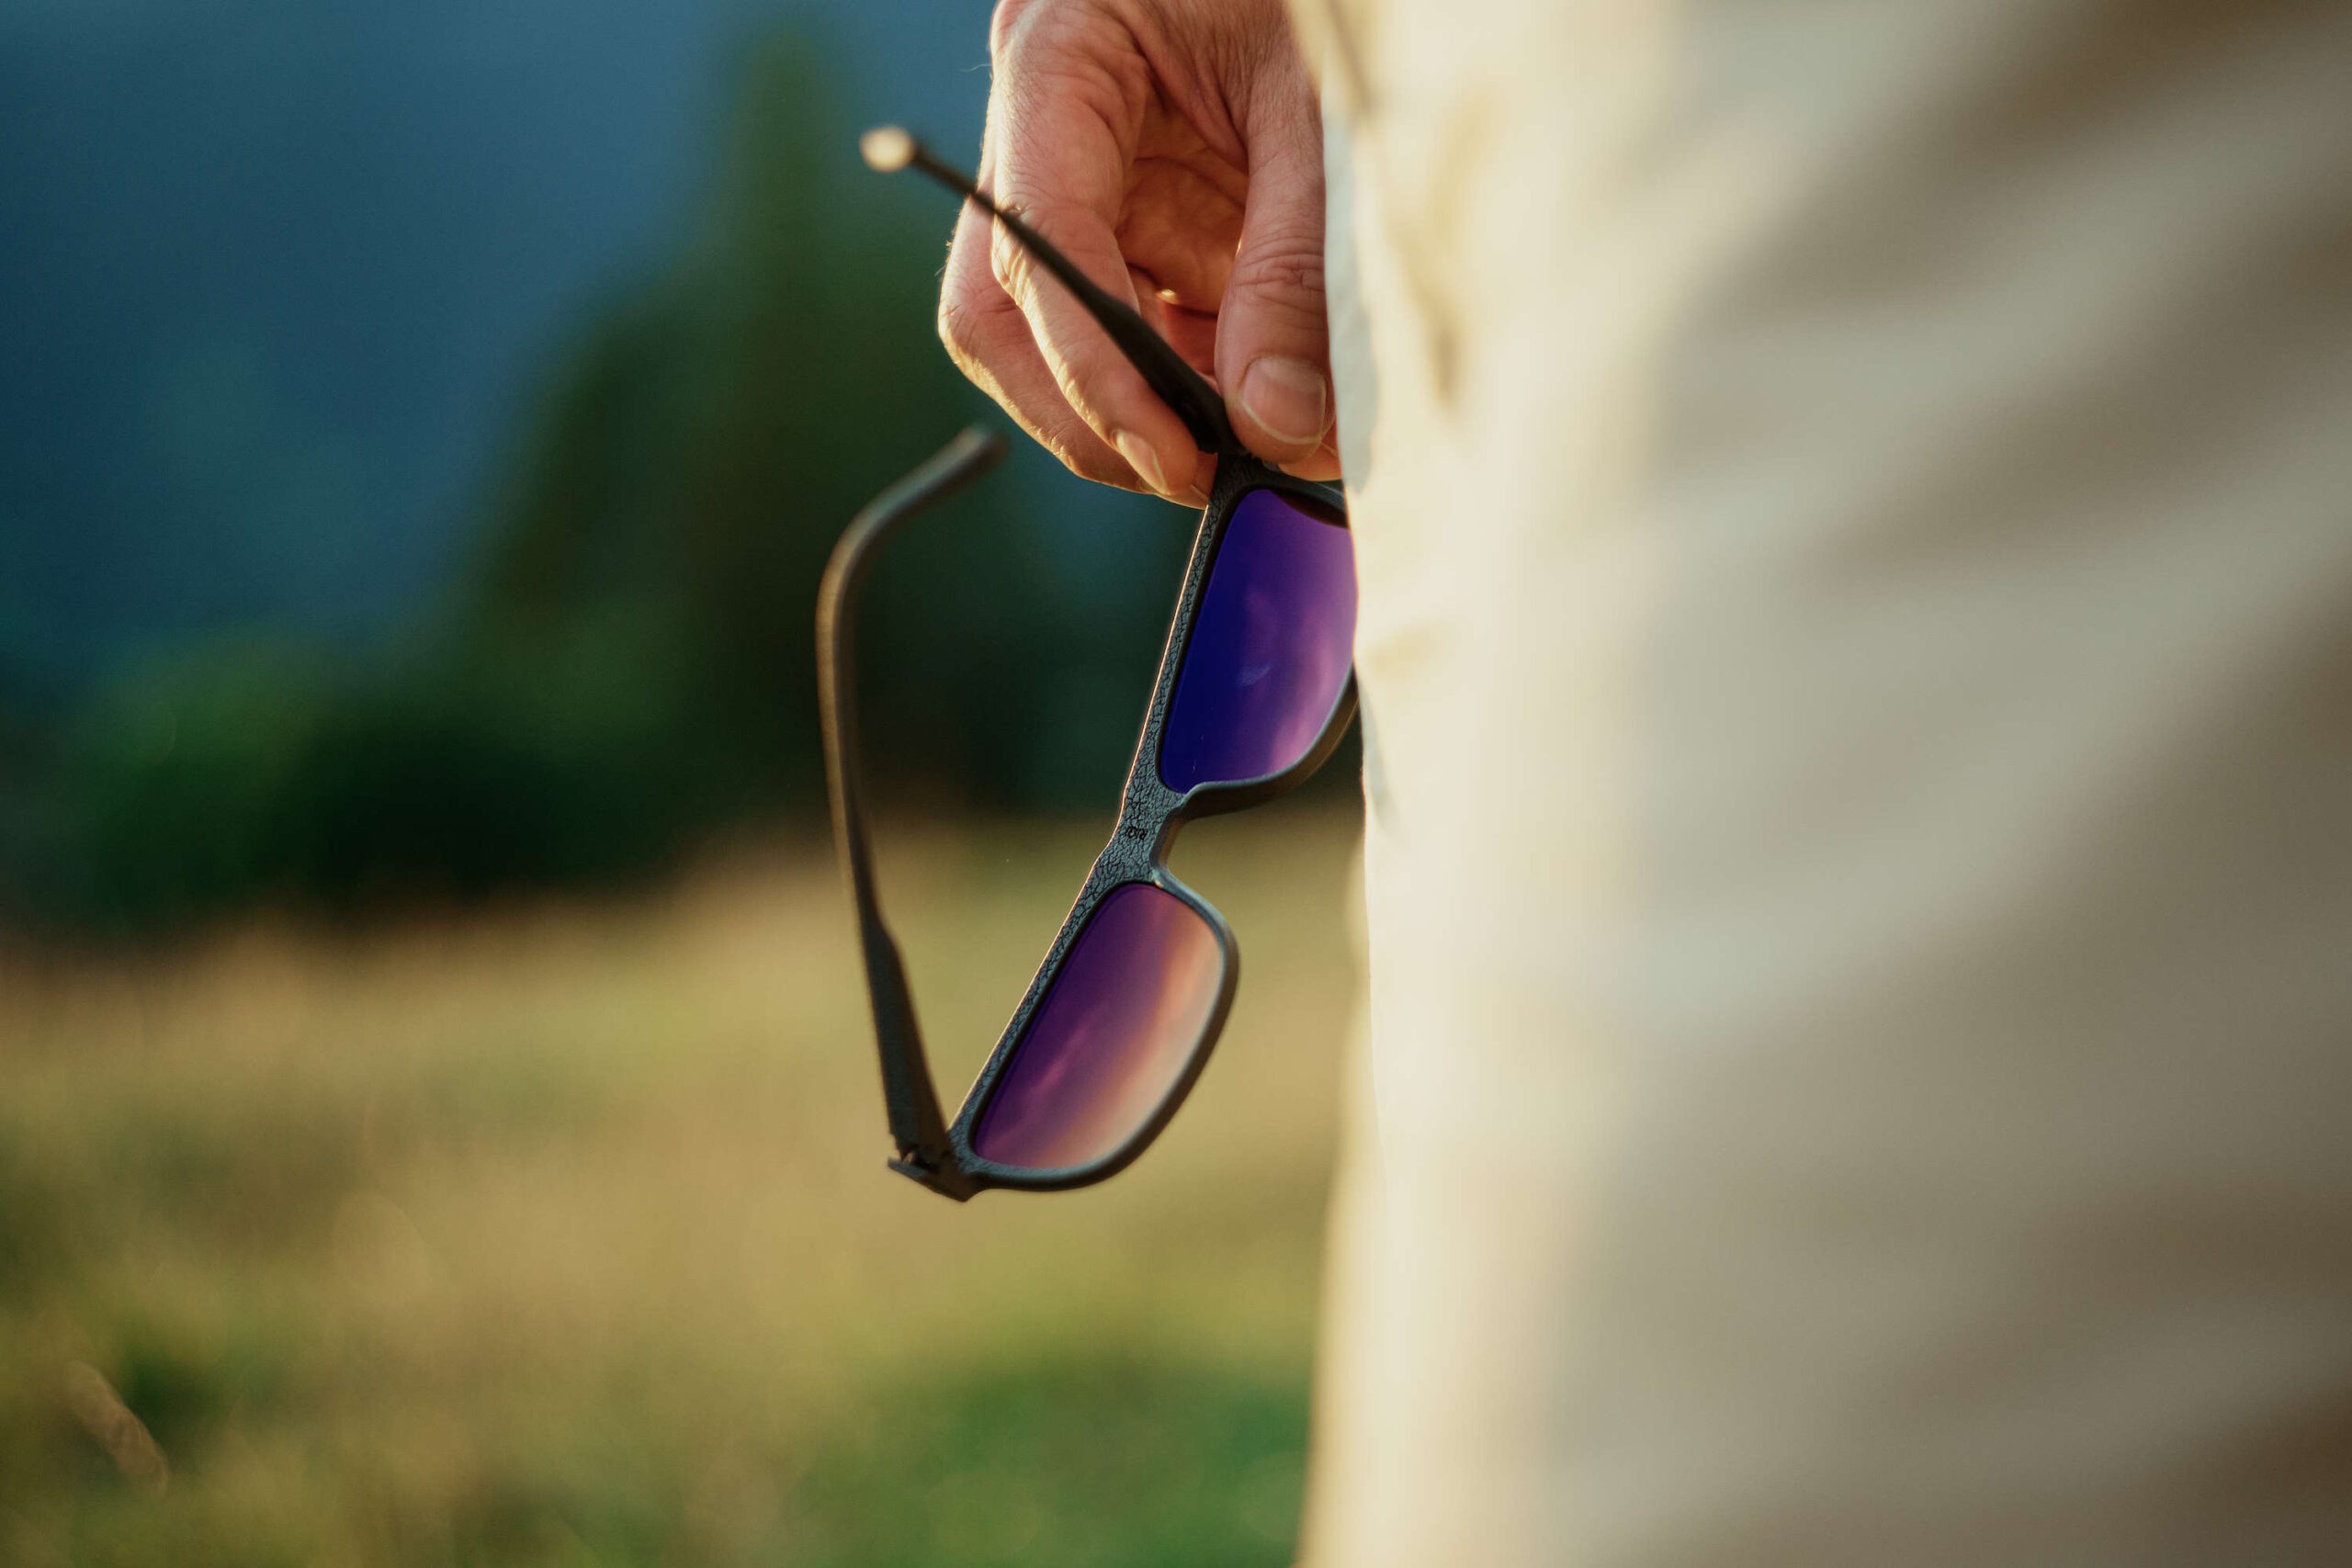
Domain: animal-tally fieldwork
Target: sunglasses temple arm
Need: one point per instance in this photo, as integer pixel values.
(1177, 384)
(916, 1124)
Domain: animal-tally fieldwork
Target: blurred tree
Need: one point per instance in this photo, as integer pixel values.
(628, 661)
(700, 453)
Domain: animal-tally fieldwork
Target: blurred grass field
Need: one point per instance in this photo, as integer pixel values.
(561, 1234)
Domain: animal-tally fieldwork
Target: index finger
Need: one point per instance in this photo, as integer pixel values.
(990, 340)
(1062, 131)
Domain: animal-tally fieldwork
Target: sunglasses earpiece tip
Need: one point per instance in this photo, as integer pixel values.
(886, 149)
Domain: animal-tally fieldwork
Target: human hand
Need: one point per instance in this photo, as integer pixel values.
(1172, 150)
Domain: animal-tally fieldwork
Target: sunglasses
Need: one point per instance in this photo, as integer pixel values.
(1254, 689)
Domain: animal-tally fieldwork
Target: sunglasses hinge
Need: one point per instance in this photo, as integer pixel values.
(945, 1180)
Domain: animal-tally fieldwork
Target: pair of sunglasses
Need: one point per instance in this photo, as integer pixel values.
(1255, 688)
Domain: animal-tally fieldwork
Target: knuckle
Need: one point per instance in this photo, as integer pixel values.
(1052, 58)
(959, 327)
(1087, 371)
(1287, 270)
(1081, 454)
(1003, 23)
(1019, 28)
(1008, 260)
(1070, 380)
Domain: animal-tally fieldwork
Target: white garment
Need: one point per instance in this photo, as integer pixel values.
(1855, 552)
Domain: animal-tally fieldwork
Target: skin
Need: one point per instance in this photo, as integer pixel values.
(1172, 149)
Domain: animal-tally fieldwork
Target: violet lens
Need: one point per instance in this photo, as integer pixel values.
(1116, 1027)
(1272, 646)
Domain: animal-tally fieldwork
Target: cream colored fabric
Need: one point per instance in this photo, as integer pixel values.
(1856, 559)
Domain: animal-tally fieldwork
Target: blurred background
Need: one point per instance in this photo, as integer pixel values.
(437, 1122)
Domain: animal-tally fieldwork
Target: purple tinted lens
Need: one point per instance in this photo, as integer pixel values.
(1271, 648)
(1111, 1037)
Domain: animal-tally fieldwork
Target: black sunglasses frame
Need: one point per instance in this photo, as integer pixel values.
(940, 1156)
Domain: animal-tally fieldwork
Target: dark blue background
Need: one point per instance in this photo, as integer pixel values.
(276, 276)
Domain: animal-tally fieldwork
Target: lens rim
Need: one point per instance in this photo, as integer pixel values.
(1323, 514)
(984, 1088)
(1151, 814)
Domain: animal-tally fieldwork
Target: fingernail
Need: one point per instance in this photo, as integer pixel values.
(1143, 461)
(1194, 495)
(1286, 398)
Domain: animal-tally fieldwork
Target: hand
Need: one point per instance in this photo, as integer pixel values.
(1172, 150)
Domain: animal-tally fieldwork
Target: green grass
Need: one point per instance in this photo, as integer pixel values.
(560, 1234)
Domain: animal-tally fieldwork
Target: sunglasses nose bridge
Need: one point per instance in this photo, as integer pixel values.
(1146, 826)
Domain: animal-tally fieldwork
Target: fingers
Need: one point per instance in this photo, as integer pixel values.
(1082, 144)
(1062, 147)
(1324, 462)
(988, 338)
(1273, 345)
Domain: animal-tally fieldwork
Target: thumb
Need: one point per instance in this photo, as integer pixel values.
(1273, 347)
